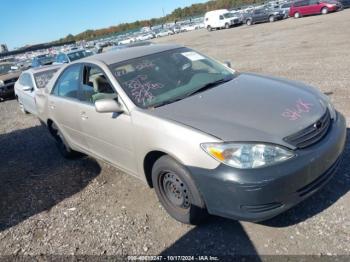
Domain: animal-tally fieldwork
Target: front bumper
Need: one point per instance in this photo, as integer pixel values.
(262, 193)
(279, 16)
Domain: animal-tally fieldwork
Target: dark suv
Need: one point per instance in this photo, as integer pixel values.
(261, 15)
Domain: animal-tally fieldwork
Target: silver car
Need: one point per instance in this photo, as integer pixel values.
(30, 83)
(207, 138)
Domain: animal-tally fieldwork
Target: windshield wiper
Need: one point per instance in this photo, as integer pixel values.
(201, 89)
(210, 85)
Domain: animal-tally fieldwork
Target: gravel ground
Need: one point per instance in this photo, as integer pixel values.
(52, 206)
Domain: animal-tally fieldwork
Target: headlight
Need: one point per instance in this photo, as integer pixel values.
(2, 83)
(246, 155)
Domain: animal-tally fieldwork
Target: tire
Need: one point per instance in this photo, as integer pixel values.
(249, 22)
(177, 191)
(62, 145)
(22, 108)
(324, 10)
(296, 15)
(209, 28)
(227, 26)
(271, 19)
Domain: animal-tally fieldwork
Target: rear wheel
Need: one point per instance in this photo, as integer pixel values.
(297, 15)
(249, 22)
(209, 28)
(177, 191)
(324, 10)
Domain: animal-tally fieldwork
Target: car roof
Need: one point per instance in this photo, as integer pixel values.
(110, 58)
(42, 69)
(73, 51)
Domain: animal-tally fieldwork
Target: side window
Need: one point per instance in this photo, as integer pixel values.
(95, 85)
(297, 4)
(221, 17)
(67, 84)
(305, 3)
(313, 2)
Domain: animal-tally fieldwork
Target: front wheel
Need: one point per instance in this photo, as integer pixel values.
(271, 19)
(324, 10)
(249, 22)
(227, 26)
(297, 15)
(177, 191)
(209, 28)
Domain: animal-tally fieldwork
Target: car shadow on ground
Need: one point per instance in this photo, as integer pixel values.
(34, 177)
(217, 237)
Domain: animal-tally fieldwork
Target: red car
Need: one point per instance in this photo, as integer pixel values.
(312, 7)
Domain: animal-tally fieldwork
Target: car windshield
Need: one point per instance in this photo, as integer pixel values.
(42, 78)
(78, 55)
(228, 15)
(165, 77)
(5, 68)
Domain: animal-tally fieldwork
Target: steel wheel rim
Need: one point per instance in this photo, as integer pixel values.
(174, 191)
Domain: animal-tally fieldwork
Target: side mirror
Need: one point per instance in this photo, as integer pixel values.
(227, 63)
(108, 106)
(28, 88)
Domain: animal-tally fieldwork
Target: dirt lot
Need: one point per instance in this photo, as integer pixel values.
(49, 205)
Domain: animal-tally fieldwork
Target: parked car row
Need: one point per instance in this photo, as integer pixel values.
(271, 12)
(168, 115)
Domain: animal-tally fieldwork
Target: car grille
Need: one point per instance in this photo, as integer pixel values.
(312, 133)
(9, 81)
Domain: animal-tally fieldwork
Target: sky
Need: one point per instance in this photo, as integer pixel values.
(38, 21)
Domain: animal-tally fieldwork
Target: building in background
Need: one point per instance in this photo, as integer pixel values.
(3, 48)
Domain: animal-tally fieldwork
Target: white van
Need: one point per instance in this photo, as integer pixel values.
(220, 19)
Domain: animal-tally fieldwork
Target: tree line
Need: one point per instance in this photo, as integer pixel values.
(194, 10)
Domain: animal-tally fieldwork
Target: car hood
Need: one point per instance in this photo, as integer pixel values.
(249, 108)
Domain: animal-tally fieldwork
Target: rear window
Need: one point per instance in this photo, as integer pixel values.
(42, 78)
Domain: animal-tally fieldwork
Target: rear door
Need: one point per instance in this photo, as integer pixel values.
(108, 135)
(64, 106)
(314, 7)
(258, 15)
(305, 8)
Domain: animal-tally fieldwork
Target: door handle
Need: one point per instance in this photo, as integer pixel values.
(52, 106)
(83, 115)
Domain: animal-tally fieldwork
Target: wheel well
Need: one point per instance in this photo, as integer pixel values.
(148, 163)
(49, 126)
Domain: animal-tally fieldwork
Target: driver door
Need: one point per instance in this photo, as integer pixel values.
(109, 135)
